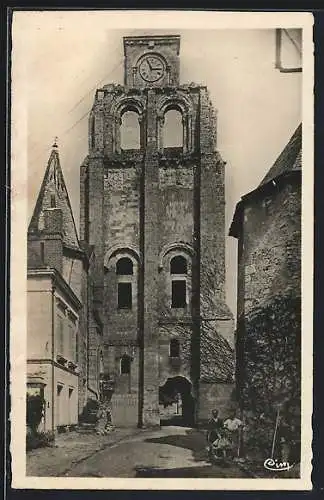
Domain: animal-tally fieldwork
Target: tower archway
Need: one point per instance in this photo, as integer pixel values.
(177, 401)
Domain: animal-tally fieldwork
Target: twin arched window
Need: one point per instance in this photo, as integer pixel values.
(178, 276)
(130, 130)
(173, 127)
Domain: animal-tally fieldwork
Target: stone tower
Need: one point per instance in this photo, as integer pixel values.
(153, 207)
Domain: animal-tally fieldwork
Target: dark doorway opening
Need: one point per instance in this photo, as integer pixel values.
(177, 401)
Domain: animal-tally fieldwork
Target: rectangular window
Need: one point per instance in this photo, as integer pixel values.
(71, 343)
(178, 294)
(124, 295)
(76, 347)
(53, 201)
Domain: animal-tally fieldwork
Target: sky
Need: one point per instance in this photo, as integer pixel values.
(66, 56)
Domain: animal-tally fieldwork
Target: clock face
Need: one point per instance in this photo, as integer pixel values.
(151, 68)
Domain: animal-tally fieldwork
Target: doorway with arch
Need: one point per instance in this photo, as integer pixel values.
(177, 402)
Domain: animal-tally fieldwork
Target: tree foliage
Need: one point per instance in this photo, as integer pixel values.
(271, 368)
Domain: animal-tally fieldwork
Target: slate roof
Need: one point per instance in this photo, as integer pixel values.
(54, 184)
(288, 160)
(217, 358)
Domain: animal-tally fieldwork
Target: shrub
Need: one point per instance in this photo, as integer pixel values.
(34, 411)
(39, 440)
(271, 372)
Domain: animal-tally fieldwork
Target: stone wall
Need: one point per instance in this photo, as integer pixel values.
(214, 396)
(272, 245)
(269, 322)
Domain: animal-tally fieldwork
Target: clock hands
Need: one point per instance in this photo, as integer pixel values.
(151, 67)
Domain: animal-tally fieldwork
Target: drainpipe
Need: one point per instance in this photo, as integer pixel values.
(87, 334)
(53, 356)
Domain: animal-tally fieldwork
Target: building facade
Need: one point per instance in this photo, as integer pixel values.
(152, 206)
(267, 225)
(64, 333)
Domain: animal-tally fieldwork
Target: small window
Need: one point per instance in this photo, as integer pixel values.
(124, 266)
(178, 294)
(174, 348)
(60, 335)
(178, 265)
(125, 364)
(124, 295)
(53, 201)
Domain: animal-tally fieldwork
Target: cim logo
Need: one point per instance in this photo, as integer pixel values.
(274, 465)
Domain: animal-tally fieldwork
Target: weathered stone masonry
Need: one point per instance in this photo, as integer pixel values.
(150, 205)
(267, 223)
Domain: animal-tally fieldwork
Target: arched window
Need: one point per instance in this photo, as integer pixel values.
(125, 364)
(173, 129)
(174, 348)
(130, 131)
(124, 271)
(178, 265)
(124, 266)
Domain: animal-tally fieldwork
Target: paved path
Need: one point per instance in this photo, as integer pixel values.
(71, 448)
(166, 452)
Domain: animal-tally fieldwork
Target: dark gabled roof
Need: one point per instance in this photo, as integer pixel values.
(54, 184)
(217, 357)
(288, 160)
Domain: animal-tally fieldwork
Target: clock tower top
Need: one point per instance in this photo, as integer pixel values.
(152, 60)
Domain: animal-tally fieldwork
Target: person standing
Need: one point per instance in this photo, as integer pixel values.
(215, 434)
(233, 425)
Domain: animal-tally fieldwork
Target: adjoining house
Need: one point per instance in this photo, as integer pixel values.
(267, 225)
(63, 332)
